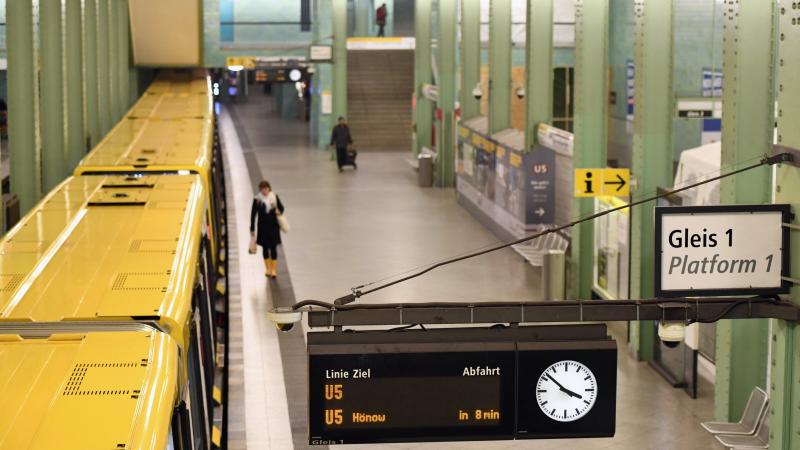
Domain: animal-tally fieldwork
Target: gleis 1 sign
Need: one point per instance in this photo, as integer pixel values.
(722, 250)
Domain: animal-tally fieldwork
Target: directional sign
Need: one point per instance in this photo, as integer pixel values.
(461, 384)
(602, 181)
(246, 62)
(722, 250)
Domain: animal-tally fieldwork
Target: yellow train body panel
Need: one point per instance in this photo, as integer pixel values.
(123, 248)
(98, 390)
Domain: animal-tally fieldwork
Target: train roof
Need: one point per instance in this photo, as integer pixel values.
(146, 145)
(98, 390)
(106, 249)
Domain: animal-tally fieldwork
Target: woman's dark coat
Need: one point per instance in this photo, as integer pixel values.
(269, 232)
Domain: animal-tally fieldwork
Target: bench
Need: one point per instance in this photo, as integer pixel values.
(759, 440)
(755, 408)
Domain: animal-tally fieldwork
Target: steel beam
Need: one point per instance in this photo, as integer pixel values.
(470, 58)
(784, 423)
(51, 100)
(499, 65)
(113, 69)
(423, 112)
(446, 62)
(591, 124)
(104, 110)
(652, 147)
(339, 16)
(123, 56)
(747, 133)
(538, 68)
(23, 102)
(73, 82)
(91, 87)
(443, 313)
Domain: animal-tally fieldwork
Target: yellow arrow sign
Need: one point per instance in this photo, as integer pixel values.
(602, 181)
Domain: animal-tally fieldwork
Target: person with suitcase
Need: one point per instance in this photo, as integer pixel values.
(341, 139)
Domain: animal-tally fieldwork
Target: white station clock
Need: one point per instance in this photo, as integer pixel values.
(566, 391)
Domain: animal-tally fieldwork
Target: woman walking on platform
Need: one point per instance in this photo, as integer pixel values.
(267, 208)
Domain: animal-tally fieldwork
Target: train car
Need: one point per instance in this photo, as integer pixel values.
(170, 130)
(116, 251)
(94, 389)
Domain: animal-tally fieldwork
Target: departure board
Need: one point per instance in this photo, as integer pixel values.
(460, 384)
(384, 397)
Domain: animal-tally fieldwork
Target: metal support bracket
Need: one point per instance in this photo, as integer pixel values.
(688, 310)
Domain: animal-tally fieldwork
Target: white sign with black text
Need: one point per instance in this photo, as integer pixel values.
(721, 250)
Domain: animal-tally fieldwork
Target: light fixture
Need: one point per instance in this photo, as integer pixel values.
(236, 68)
(295, 75)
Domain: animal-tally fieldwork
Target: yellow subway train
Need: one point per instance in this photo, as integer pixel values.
(113, 295)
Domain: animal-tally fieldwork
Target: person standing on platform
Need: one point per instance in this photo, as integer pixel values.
(341, 139)
(264, 228)
(380, 18)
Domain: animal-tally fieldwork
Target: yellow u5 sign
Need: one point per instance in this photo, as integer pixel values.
(602, 181)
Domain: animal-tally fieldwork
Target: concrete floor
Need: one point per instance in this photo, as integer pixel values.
(365, 225)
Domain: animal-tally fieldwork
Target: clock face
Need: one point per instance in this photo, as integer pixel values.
(566, 391)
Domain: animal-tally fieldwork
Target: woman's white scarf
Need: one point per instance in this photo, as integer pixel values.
(270, 201)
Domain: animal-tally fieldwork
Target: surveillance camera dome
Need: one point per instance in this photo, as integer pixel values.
(671, 333)
(284, 319)
(477, 92)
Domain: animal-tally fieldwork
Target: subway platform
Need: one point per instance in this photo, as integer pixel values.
(364, 225)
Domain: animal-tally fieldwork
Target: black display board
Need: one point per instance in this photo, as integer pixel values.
(459, 384)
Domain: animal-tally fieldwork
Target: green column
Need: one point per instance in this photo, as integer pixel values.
(73, 82)
(23, 98)
(322, 28)
(538, 67)
(423, 115)
(652, 147)
(339, 58)
(363, 11)
(591, 122)
(113, 69)
(51, 102)
(123, 56)
(747, 129)
(91, 87)
(784, 421)
(470, 58)
(446, 61)
(104, 110)
(499, 65)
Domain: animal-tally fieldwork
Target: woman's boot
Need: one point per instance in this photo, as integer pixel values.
(274, 269)
(267, 264)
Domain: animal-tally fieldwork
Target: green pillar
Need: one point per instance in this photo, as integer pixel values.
(538, 67)
(339, 10)
(446, 61)
(423, 115)
(591, 123)
(104, 103)
(322, 28)
(73, 82)
(784, 421)
(499, 65)
(747, 129)
(363, 11)
(652, 147)
(470, 58)
(91, 85)
(123, 56)
(51, 101)
(23, 101)
(113, 70)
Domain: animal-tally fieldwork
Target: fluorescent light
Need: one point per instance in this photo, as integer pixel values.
(236, 68)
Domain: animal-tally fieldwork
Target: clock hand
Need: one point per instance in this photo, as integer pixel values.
(563, 389)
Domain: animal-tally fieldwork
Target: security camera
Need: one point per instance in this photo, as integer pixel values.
(284, 318)
(671, 333)
(520, 93)
(477, 92)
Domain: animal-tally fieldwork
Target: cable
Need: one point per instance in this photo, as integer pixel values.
(356, 293)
